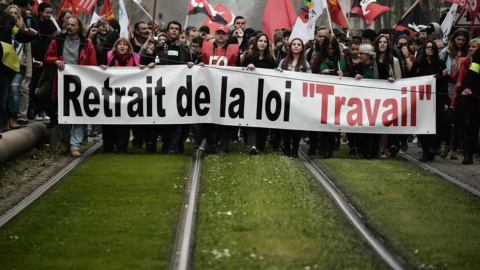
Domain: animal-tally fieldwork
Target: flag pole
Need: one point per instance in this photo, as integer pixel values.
(331, 28)
(408, 11)
(186, 22)
(329, 19)
(130, 13)
(153, 17)
(141, 7)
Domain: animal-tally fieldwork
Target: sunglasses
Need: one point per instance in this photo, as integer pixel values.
(402, 44)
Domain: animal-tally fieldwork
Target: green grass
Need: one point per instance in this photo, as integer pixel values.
(266, 212)
(113, 212)
(430, 222)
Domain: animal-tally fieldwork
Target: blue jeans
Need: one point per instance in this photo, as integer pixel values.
(73, 134)
(15, 93)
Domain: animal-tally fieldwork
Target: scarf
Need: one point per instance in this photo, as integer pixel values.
(123, 60)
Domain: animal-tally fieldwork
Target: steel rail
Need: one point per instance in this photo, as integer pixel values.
(394, 261)
(46, 186)
(184, 239)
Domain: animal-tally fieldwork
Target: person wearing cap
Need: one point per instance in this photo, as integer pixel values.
(219, 53)
(369, 68)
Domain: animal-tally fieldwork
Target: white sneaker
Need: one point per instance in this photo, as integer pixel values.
(38, 117)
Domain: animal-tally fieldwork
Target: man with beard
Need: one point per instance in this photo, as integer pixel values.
(70, 48)
(140, 36)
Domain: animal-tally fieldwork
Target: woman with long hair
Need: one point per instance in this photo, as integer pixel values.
(329, 61)
(295, 61)
(17, 95)
(429, 63)
(456, 49)
(385, 54)
(259, 56)
(116, 137)
(466, 109)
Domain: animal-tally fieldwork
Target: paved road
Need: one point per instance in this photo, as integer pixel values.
(468, 174)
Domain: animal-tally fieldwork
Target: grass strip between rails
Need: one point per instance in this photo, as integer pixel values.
(431, 222)
(113, 212)
(266, 212)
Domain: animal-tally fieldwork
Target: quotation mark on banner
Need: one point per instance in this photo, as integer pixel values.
(424, 91)
(310, 89)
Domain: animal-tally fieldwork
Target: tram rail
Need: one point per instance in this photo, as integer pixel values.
(353, 216)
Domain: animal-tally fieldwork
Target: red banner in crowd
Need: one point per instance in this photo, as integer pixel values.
(86, 5)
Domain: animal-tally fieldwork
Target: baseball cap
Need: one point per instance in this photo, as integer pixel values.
(222, 28)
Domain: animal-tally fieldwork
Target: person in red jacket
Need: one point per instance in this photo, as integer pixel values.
(74, 49)
(220, 53)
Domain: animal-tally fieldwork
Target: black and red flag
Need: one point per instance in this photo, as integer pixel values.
(202, 6)
(368, 10)
(413, 20)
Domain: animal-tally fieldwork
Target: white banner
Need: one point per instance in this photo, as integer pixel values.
(233, 96)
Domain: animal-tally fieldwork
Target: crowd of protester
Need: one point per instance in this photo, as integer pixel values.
(389, 55)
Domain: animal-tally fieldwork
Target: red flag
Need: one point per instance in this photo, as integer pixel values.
(202, 6)
(225, 13)
(107, 10)
(336, 13)
(67, 4)
(368, 9)
(278, 14)
(86, 5)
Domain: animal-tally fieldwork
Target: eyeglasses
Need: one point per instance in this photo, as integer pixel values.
(402, 44)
